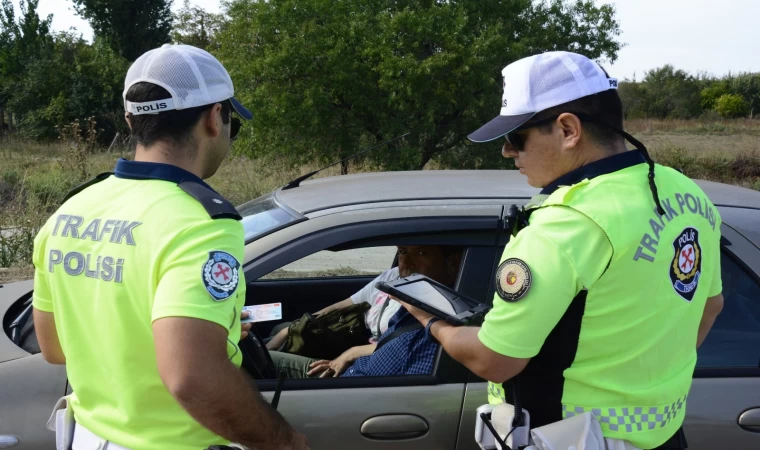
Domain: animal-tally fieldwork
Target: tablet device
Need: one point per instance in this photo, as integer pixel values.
(436, 299)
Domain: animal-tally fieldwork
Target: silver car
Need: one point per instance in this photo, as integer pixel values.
(311, 244)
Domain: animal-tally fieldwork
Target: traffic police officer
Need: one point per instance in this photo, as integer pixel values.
(139, 284)
(604, 296)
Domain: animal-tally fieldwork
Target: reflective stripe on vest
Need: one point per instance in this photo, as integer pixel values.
(631, 419)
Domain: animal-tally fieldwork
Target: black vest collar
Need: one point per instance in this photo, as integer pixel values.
(140, 170)
(602, 167)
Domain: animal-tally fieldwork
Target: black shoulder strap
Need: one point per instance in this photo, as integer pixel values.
(398, 332)
(217, 206)
(85, 185)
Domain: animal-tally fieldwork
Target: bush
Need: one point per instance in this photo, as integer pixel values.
(711, 94)
(731, 106)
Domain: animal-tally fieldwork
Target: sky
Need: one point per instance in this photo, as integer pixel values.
(692, 35)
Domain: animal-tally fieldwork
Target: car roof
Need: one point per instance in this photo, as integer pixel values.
(374, 187)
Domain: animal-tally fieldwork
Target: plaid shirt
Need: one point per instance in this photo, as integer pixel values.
(412, 353)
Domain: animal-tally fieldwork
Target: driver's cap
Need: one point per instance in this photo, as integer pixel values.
(192, 76)
(540, 82)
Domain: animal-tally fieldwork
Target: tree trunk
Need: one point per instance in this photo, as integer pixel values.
(427, 154)
(2, 121)
(10, 122)
(344, 168)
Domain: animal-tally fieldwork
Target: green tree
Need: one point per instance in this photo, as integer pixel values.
(671, 93)
(327, 77)
(40, 94)
(634, 98)
(21, 40)
(197, 27)
(91, 85)
(131, 27)
(748, 86)
(731, 106)
(712, 93)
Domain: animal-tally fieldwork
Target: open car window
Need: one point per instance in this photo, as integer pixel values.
(369, 261)
(333, 267)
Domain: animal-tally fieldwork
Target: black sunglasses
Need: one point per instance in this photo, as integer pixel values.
(235, 124)
(517, 140)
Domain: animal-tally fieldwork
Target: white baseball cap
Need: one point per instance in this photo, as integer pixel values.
(540, 82)
(192, 76)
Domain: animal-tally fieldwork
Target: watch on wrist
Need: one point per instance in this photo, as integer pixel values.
(430, 324)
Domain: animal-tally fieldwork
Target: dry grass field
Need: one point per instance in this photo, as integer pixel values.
(34, 177)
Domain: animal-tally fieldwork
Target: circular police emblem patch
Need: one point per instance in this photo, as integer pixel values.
(220, 275)
(513, 279)
(686, 267)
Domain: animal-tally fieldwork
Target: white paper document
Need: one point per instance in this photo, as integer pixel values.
(263, 313)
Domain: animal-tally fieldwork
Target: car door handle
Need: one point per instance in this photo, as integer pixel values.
(394, 426)
(8, 441)
(750, 420)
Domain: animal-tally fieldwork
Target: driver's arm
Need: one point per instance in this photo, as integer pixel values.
(278, 339)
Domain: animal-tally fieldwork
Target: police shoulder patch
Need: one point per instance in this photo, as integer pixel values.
(686, 267)
(513, 279)
(221, 275)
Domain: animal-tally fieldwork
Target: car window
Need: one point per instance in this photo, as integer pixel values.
(262, 215)
(369, 261)
(734, 340)
(744, 220)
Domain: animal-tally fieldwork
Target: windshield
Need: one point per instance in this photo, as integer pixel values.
(263, 215)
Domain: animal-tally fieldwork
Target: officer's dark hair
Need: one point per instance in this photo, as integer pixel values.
(605, 107)
(174, 127)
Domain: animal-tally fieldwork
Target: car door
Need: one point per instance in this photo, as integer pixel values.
(723, 408)
(29, 386)
(372, 413)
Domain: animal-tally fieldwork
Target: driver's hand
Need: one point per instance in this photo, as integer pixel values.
(332, 368)
(245, 328)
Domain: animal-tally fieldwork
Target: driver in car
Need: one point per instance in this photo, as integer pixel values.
(404, 346)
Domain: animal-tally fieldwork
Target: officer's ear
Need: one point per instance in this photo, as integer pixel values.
(212, 120)
(128, 118)
(571, 127)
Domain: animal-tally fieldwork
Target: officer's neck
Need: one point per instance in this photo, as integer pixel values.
(591, 152)
(163, 153)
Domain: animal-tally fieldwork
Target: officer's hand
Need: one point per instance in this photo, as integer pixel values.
(418, 314)
(246, 327)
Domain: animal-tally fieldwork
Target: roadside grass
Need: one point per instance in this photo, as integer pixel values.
(35, 177)
(706, 126)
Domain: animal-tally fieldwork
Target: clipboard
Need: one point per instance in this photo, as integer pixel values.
(435, 298)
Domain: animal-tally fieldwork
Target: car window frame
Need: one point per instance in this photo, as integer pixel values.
(747, 256)
(479, 232)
